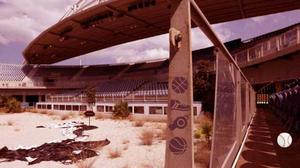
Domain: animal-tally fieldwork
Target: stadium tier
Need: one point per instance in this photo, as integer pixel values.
(93, 25)
(11, 73)
(139, 82)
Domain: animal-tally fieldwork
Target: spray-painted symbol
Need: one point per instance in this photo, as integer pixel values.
(178, 145)
(177, 105)
(179, 84)
(179, 122)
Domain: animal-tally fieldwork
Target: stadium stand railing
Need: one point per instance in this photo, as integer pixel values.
(285, 104)
(268, 46)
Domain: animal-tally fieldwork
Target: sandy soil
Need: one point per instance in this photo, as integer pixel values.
(19, 131)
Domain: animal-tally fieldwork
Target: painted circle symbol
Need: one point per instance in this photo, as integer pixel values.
(181, 122)
(284, 140)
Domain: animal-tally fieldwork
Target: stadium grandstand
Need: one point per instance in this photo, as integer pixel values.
(139, 82)
(256, 80)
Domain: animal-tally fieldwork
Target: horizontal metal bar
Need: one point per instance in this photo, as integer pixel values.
(200, 20)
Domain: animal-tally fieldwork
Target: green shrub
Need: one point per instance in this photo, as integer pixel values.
(10, 105)
(121, 110)
(206, 130)
(197, 134)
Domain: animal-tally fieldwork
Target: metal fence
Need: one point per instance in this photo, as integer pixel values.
(234, 107)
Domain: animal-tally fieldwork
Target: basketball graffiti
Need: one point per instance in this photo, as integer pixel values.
(179, 84)
(177, 105)
(179, 122)
(178, 145)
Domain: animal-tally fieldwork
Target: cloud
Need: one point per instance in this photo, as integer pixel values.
(149, 49)
(21, 21)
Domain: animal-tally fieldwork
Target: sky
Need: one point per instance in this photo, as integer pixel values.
(23, 20)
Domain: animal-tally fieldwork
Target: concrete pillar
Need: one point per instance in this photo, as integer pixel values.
(23, 98)
(179, 146)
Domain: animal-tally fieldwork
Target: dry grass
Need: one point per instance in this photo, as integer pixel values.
(147, 137)
(125, 147)
(98, 116)
(43, 112)
(86, 163)
(10, 123)
(130, 117)
(16, 129)
(51, 113)
(31, 110)
(202, 154)
(114, 153)
(139, 123)
(55, 117)
(145, 165)
(162, 134)
(125, 141)
(64, 116)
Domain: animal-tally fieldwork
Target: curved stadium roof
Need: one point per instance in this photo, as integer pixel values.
(115, 22)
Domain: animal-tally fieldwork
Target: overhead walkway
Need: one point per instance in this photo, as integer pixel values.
(268, 46)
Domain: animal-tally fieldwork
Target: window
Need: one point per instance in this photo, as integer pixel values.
(61, 107)
(100, 108)
(44, 106)
(56, 107)
(155, 110)
(165, 110)
(139, 110)
(83, 108)
(109, 108)
(75, 108)
(69, 107)
(49, 107)
(39, 106)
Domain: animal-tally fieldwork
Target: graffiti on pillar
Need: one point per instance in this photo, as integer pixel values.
(177, 105)
(178, 145)
(179, 84)
(180, 122)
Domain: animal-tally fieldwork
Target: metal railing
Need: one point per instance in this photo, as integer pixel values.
(81, 5)
(269, 47)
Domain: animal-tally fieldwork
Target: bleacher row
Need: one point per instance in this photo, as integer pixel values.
(153, 88)
(118, 87)
(286, 105)
(11, 73)
(122, 89)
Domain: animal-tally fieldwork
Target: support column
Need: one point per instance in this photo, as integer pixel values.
(23, 98)
(179, 146)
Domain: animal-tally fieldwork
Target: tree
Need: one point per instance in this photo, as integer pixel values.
(204, 86)
(10, 104)
(121, 110)
(90, 96)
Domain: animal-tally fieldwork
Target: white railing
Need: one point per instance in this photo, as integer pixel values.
(81, 5)
(40, 84)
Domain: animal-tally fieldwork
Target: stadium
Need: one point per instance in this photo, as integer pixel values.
(255, 81)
